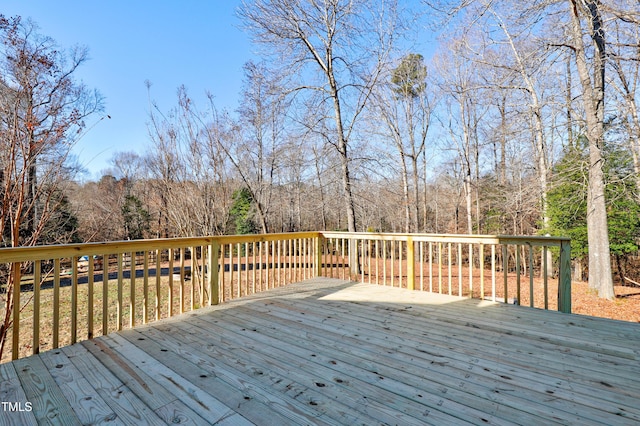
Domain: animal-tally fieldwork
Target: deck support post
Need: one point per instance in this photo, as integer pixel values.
(564, 278)
(214, 288)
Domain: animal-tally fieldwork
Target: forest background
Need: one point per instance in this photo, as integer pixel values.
(524, 121)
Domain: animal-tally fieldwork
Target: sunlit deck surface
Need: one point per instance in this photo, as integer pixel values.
(332, 352)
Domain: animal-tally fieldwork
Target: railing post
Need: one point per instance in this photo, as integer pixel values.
(214, 288)
(411, 265)
(564, 278)
(318, 255)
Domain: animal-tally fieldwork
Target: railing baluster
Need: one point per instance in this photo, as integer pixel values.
(393, 262)
(279, 280)
(74, 300)
(158, 276)
(377, 262)
(481, 255)
(518, 274)
(460, 279)
(430, 267)
(120, 289)
(470, 270)
(145, 286)
(440, 268)
(411, 264)
(90, 283)
(253, 268)
(505, 270)
(493, 272)
(545, 277)
(132, 289)
(449, 270)
(530, 276)
(36, 306)
(384, 262)
(421, 254)
(15, 337)
(105, 293)
(170, 295)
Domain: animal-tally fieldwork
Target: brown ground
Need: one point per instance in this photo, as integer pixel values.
(625, 307)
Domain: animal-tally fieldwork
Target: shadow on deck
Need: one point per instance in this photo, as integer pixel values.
(332, 352)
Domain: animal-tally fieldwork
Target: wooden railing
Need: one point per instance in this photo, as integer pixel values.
(72, 292)
(78, 291)
(479, 266)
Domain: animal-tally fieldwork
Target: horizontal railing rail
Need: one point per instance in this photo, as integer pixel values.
(69, 292)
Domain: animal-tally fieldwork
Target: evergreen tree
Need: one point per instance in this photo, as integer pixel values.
(137, 220)
(242, 212)
(568, 203)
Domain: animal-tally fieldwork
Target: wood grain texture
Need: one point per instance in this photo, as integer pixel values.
(11, 392)
(331, 352)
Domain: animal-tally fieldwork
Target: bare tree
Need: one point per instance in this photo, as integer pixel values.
(42, 113)
(337, 47)
(405, 104)
(257, 155)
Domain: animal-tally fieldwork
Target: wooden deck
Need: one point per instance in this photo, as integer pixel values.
(332, 352)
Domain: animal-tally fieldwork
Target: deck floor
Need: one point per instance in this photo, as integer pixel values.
(332, 352)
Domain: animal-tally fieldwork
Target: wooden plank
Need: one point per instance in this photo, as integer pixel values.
(575, 331)
(241, 369)
(327, 348)
(355, 345)
(220, 378)
(87, 404)
(177, 413)
(11, 393)
(143, 386)
(199, 403)
(596, 373)
(129, 409)
(49, 403)
(386, 400)
(341, 330)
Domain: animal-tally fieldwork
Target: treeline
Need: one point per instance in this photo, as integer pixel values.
(523, 121)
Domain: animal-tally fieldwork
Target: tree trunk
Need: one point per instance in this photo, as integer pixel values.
(600, 276)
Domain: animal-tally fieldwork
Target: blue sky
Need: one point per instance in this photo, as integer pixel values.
(192, 42)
